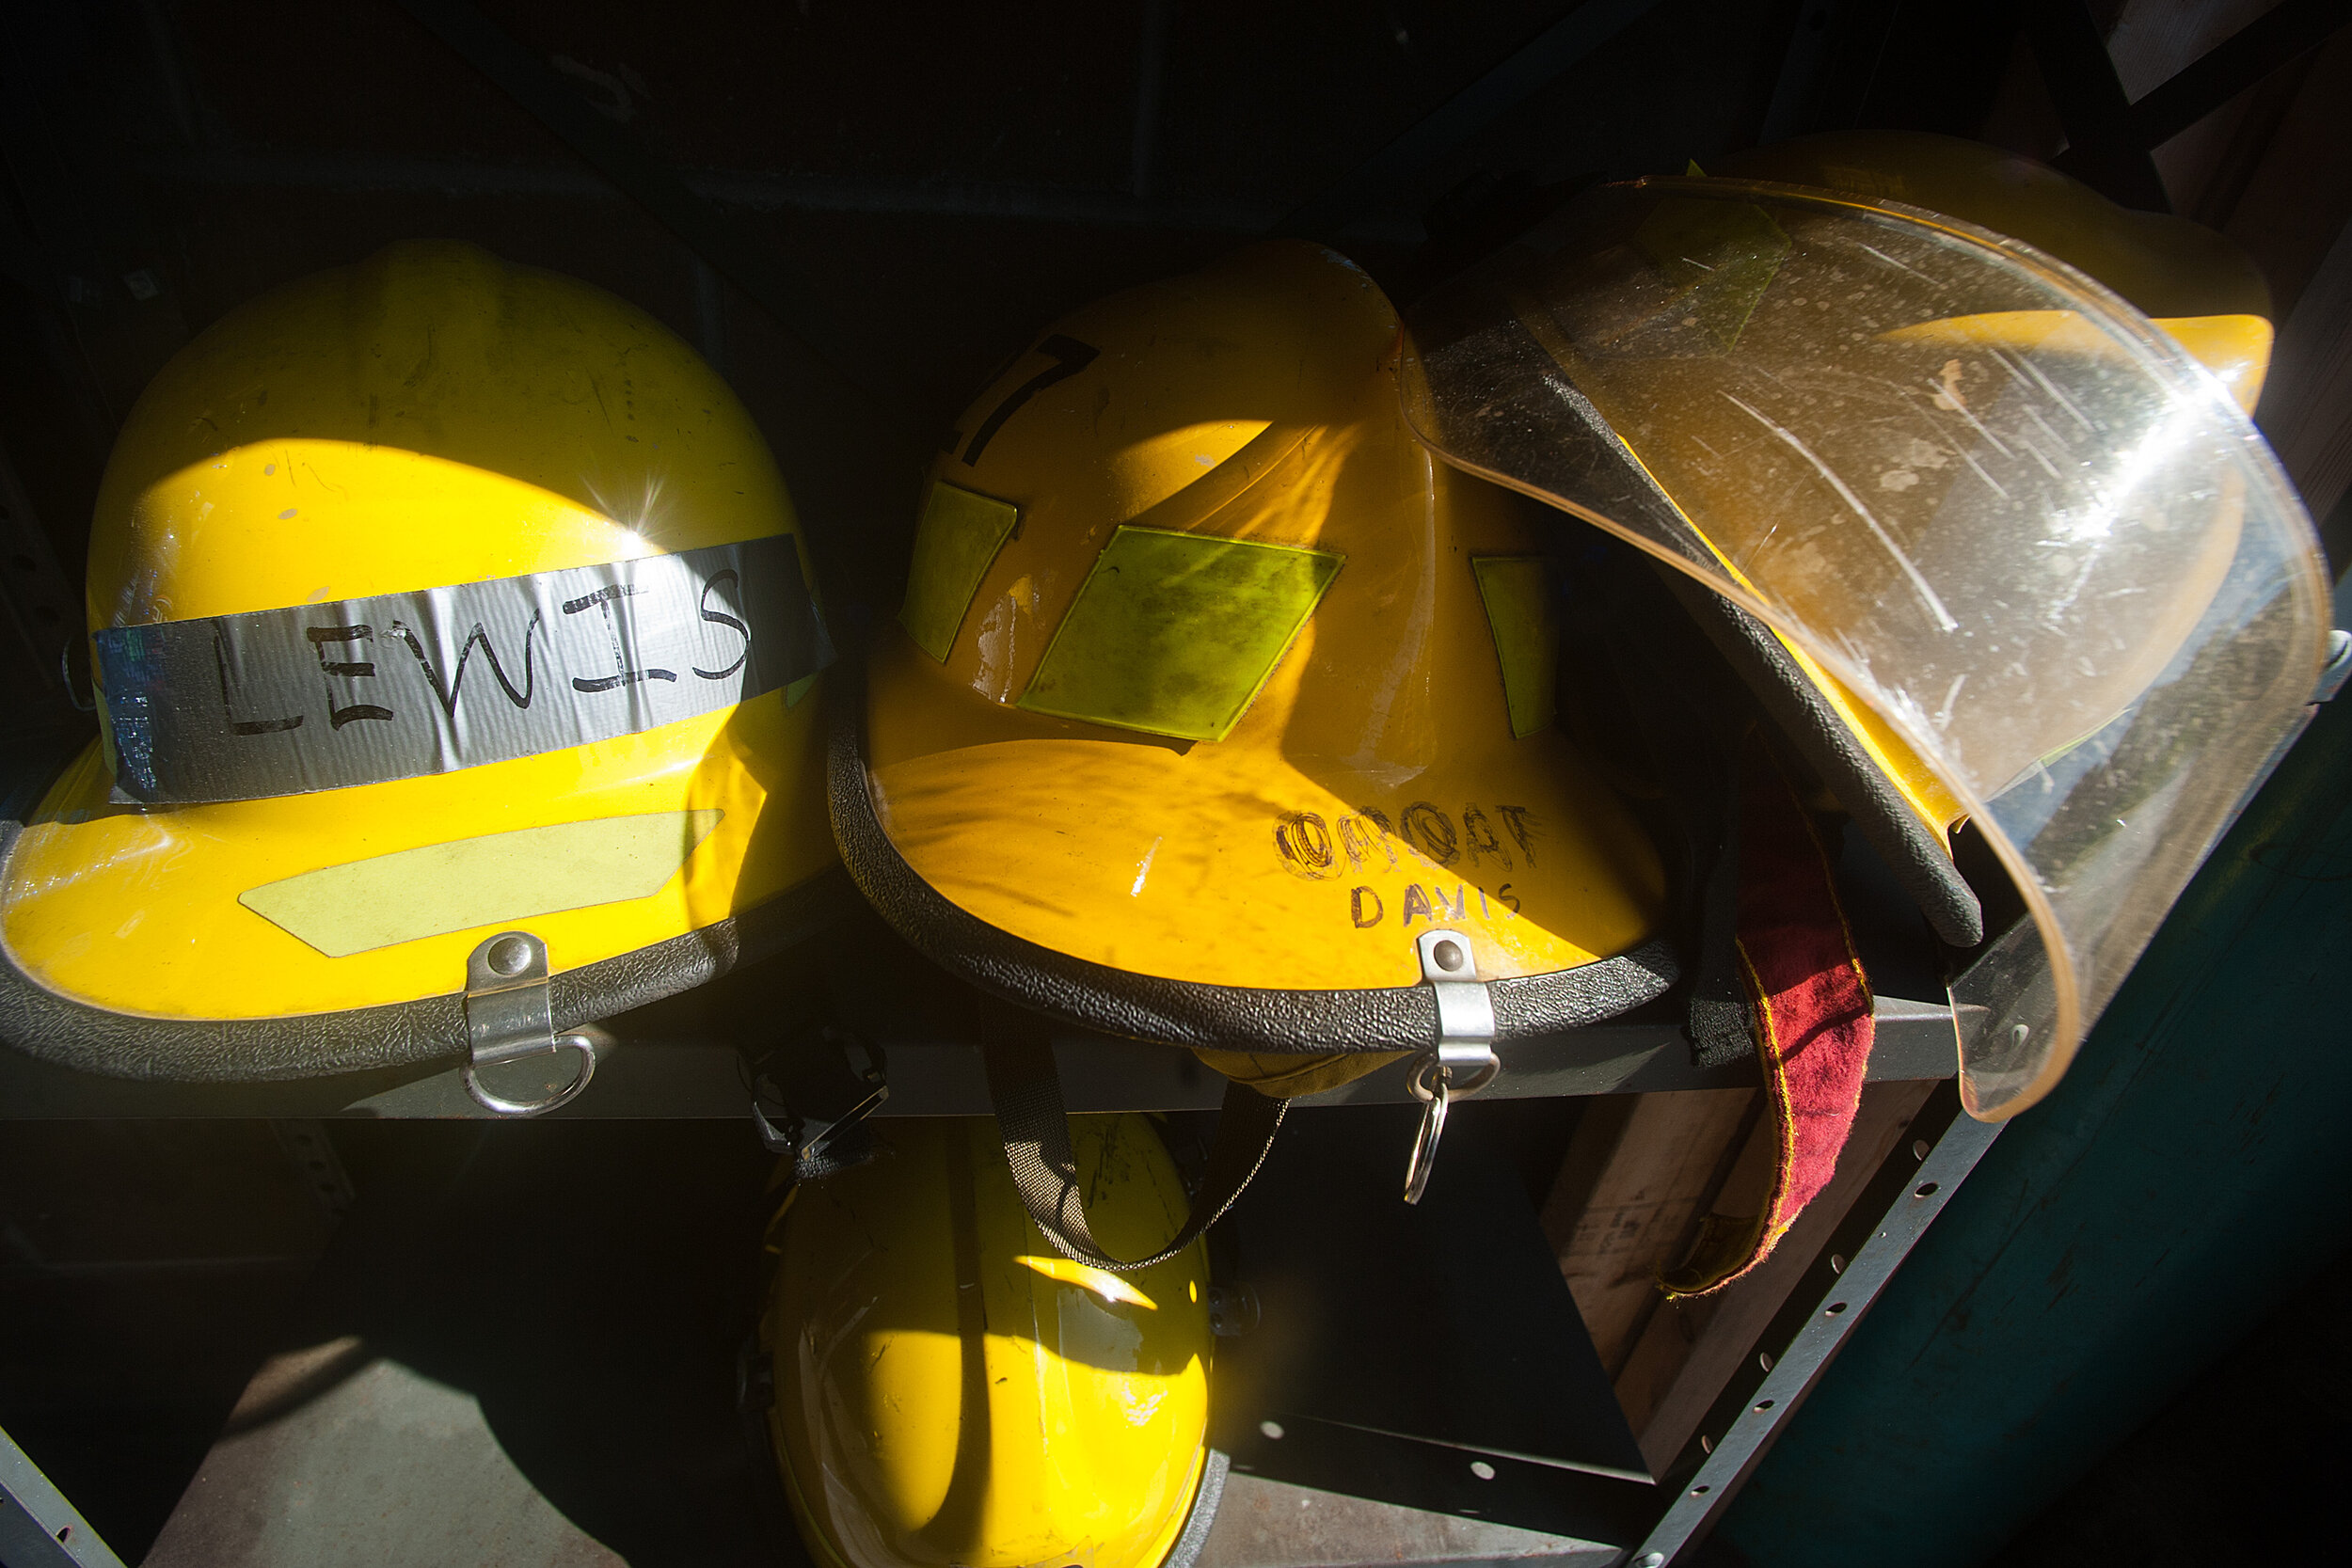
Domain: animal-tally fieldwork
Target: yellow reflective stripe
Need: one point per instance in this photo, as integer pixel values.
(436, 887)
(960, 535)
(1175, 633)
(1527, 639)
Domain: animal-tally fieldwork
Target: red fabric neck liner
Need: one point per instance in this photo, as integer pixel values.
(1810, 1013)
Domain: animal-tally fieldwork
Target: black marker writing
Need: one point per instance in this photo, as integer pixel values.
(1070, 356)
(1358, 839)
(1433, 831)
(345, 670)
(1520, 821)
(602, 599)
(448, 694)
(719, 618)
(1429, 906)
(1480, 835)
(237, 725)
(1305, 845)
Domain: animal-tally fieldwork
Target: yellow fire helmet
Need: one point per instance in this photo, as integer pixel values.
(949, 1390)
(1997, 547)
(454, 644)
(1219, 715)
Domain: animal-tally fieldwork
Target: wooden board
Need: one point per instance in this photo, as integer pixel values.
(1690, 1348)
(1641, 1171)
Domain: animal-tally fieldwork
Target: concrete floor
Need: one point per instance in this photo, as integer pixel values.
(518, 1348)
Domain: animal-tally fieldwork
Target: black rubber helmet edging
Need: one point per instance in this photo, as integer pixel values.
(1921, 862)
(69, 1034)
(1206, 1498)
(1183, 1012)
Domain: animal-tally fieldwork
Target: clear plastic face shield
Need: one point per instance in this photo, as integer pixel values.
(2016, 518)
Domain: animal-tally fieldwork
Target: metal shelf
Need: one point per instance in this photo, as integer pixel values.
(686, 1056)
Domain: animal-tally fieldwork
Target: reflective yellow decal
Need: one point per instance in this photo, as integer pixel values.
(959, 535)
(1174, 633)
(1527, 641)
(342, 910)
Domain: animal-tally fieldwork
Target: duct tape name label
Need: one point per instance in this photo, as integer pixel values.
(354, 691)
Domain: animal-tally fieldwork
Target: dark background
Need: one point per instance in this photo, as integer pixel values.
(944, 180)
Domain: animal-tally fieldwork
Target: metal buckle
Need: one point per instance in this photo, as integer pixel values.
(508, 1017)
(1463, 1061)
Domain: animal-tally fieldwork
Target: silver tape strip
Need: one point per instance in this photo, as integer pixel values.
(355, 692)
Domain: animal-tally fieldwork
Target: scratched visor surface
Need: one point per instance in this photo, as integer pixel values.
(2012, 515)
(358, 692)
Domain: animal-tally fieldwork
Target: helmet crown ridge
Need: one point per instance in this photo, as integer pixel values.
(430, 416)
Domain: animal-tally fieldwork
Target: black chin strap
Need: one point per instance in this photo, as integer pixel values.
(1718, 1019)
(1693, 714)
(1036, 1129)
(1687, 744)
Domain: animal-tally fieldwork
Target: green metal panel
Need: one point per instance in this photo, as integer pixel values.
(2117, 1238)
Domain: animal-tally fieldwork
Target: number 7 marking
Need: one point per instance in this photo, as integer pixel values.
(1070, 356)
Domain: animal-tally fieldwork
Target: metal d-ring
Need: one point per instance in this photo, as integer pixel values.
(1424, 1156)
(569, 1092)
(509, 1016)
(1433, 1067)
(1431, 1081)
(1462, 1061)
